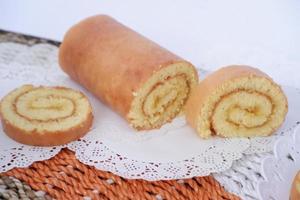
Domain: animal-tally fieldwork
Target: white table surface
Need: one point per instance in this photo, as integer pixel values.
(210, 34)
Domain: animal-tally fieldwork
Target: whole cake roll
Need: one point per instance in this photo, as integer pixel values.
(236, 101)
(143, 82)
(45, 116)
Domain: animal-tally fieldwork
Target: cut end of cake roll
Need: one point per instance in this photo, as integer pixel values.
(236, 101)
(163, 96)
(45, 116)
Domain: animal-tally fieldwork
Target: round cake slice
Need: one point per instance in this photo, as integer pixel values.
(45, 116)
(236, 101)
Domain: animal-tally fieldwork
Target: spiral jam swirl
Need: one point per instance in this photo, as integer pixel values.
(45, 110)
(244, 107)
(162, 97)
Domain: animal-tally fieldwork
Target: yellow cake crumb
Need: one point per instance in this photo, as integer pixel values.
(162, 97)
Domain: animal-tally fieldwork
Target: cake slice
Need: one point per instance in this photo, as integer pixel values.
(236, 101)
(45, 116)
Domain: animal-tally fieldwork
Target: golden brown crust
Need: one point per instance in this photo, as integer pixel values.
(47, 138)
(295, 193)
(201, 92)
(111, 60)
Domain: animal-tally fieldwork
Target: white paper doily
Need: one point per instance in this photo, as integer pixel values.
(172, 152)
(280, 169)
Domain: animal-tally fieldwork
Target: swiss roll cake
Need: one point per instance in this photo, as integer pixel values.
(45, 116)
(142, 81)
(236, 101)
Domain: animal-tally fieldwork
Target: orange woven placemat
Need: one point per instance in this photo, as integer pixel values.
(64, 177)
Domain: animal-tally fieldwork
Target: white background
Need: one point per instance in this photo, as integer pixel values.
(209, 33)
